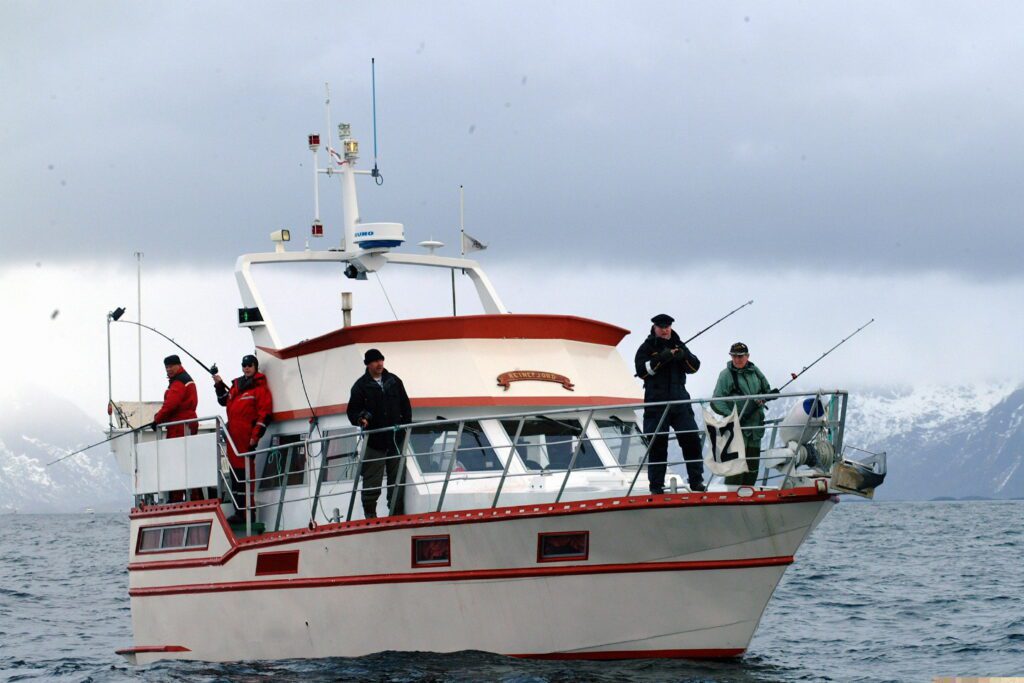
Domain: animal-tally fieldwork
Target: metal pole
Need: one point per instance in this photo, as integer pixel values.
(451, 464)
(110, 383)
(138, 292)
(650, 444)
(575, 452)
(508, 461)
(400, 483)
(356, 475)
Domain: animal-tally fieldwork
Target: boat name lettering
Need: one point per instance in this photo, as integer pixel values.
(506, 378)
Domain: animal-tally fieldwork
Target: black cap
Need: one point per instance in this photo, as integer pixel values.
(250, 359)
(172, 360)
(663, 320)
(372, 355)
(739, 349)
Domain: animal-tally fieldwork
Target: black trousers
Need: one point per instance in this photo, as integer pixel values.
(748, 478)
(680, 420)
(375, 464)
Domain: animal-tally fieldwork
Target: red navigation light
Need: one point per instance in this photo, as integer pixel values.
(318, 229)
(314, 141)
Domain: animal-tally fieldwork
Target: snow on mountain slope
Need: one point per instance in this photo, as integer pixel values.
(37, 427)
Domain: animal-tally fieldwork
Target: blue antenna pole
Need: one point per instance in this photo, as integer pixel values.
(378, 178)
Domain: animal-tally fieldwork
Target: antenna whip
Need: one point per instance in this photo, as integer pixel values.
(377, 177)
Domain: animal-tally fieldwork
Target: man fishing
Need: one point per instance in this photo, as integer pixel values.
(742, 378)
(250, 405)
(180, 400)
(663, 361)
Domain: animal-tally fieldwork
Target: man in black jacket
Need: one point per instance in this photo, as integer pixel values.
(663, 362)
(378, 399)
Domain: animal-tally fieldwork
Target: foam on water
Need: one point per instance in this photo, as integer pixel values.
(886, 591)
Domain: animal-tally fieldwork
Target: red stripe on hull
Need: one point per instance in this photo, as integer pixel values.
(151, 648)
(721, 653)
(503, 326)
(432, 519)
(470, 401)
(468, 575)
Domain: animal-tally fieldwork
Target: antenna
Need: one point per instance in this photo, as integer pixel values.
(377, 177)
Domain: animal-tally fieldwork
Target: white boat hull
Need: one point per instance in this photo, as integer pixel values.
(666, 576)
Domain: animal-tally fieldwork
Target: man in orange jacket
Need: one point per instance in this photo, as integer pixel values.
(250, 405)
(180, 400)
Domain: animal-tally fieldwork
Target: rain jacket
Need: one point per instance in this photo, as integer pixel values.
(180, 401)
(749, 381)
(250, 405)
(664, 376)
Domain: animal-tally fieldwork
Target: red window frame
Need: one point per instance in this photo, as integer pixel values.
(428, 563)
(280, 562)
(186, 549)
(585, 555)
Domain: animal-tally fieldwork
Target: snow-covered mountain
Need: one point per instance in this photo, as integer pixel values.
(37, 427)
(944, 441)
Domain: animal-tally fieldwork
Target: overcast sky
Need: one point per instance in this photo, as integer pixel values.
(722, 151)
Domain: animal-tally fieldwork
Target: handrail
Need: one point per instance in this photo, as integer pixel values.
(617, 451)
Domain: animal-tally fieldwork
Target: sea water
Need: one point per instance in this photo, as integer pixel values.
(880, 592)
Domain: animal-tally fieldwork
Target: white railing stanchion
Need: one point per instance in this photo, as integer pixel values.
(451, 464)
(508, 460)
(575, 453)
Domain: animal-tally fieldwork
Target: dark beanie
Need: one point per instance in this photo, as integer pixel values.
(372, 355)
(663, 320)
(172, 360)
(739, 349)
(250, 360)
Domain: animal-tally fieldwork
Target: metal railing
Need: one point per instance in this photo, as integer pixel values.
(579, 445)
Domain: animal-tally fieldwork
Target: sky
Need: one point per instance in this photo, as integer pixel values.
(833, 161)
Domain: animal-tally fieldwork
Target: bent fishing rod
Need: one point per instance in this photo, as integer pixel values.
(794, 375)
(738, 308)
(100, 443)
(212, 369)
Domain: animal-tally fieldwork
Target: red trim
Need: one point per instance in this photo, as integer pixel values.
(470, 401)
(433, 519)
(582, 557)
(151, 648)
(467, 575)
(445, 537)
(280, 562)
(501, 326)
(161, 551)
(720, 653)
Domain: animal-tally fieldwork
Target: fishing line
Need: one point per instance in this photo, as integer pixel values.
(386, 297)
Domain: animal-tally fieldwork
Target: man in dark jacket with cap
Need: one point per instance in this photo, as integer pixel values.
(663, 362)
(378, 399)
(180, 400)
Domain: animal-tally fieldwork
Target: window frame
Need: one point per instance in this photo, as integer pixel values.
(183, 549)
(428, 564)
(582, 557)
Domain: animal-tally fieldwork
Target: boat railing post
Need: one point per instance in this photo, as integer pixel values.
(451, 464)
(284, 485)
(508, 460)
(650, 444)
(400, 478)
(321, 471)
(575, 452)
(355, 475)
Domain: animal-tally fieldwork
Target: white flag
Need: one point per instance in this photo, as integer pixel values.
(471, 244)
(727, 455)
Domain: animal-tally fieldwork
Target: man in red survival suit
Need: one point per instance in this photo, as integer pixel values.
(250, 405)
(180, 400)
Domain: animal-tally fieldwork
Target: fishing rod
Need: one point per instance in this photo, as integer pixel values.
(100, 443)
(212, 369)
(718, 321)
(794, 375)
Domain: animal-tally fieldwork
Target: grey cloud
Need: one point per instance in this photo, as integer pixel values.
(874, 137)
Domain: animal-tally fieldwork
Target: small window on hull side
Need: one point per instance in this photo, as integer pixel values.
(431, 551)
(561, 546)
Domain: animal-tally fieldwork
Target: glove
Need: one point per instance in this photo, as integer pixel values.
(154, 426)
(664, 356)
(773, 390)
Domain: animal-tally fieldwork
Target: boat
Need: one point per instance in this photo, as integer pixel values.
(528, 527)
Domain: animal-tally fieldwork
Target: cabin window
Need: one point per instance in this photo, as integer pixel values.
(288, 451)
(433, 446)
(431, 551)
(174, 537)
(547, 444)
(624, 441)
(342, 454)
(561, 546)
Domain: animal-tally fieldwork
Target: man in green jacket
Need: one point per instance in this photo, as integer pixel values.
(742, 378)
